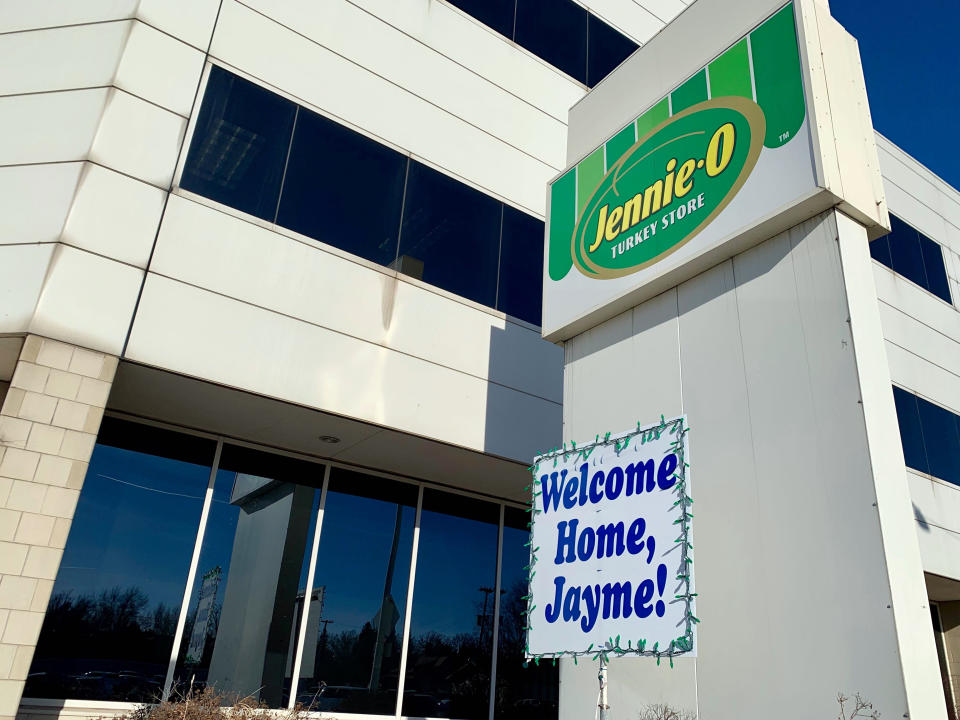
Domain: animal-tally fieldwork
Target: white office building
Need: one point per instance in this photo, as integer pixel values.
(272, 372)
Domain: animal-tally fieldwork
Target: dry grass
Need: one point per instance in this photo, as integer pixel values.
(210, 705)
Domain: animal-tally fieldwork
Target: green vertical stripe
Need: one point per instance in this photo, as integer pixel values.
(619, 144)
(693, 91)
(589, 174)
(563, 218)
(653, 117)
(776, 72)
(730, 73)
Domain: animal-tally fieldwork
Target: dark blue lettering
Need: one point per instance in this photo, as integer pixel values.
(565, 539)
(644, 594)
(615, 596)
(552, 612)
(665, 477)
(610, 540)
(596, 492)
(635, 536)
(614, 483)
(585, 544)
(549, 493)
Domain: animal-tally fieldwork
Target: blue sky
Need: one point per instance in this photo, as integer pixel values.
(911, 62)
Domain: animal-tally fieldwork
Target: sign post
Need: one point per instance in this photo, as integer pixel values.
(611, 549)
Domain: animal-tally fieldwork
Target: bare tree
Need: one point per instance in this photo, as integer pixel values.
(661, 711)
(861, 708)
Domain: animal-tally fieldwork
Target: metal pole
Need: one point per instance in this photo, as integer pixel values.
(602, 677)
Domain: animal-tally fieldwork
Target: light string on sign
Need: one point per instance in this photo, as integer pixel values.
(614, 646)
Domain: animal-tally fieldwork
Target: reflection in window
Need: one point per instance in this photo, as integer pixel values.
(343, 189)
(240, 145)
(453, 231)
(521, 261)
(351, 660)
(451, 628)
(555, 30)
(251, 580)
(452, 236)
(930, 435)
(109, 627)
(530, 693)
(910, 253)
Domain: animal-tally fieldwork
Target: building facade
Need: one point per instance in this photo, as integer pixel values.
(270, 297)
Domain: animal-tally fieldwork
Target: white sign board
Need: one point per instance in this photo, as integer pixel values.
(611, 547)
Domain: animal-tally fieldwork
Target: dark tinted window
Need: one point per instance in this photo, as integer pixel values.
(930, 435)
(880, 251)
(555, 30)
(522, 692)
(110, 624)
(937, 282)
(250, 588)
(606, 48)
(355, 194)
(496, 14)
(940, 439)
(450, 235)
(910, 253)
(352, 647)
(451, 627)
(521, 266)
(905, 252)
(240, 145)
(343, 189)
(908, 417)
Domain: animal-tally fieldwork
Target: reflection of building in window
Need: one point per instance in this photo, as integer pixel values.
(203, 615)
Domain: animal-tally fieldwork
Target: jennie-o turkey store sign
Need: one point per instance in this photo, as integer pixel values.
(723, 151)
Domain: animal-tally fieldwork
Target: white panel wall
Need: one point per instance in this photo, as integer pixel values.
(159, 68)
(189, 20)
(138, 138)
(86, 56)
(49, 127)
(114, 215)
(241, 260)
(447, 128)
(16, 15)
(462, 39)
(34, 201)
(206, 335)
(87, 300)
(22, 270)
(794, 595)
(922, 334)
(424, 73)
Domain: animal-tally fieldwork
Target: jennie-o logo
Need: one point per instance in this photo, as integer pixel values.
(668, 187)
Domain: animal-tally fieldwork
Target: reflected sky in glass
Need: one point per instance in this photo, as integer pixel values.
(448, 669)
(109, 627)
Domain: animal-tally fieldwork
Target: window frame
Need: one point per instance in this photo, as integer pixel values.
(324, 466)
(316, 244)
(921, 236)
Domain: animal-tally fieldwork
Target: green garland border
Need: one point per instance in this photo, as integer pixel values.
(678, 646)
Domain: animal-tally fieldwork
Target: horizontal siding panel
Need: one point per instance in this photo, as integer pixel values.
(425, 72)
(275, 55)
(465, 40)
(921, 377)
(205, 247)
(291, 360)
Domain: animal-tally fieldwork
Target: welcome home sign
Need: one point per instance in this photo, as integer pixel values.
(611, 562)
